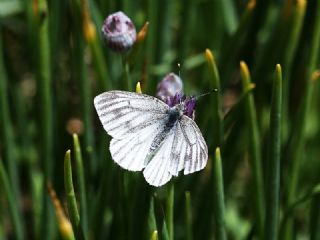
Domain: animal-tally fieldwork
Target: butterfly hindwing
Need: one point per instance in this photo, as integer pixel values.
(131, 151)
(157, 171)
(189, 150)
(183, 148)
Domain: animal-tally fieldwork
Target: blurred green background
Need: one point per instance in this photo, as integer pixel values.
(264, 118)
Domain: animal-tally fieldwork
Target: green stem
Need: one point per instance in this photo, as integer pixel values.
(218, 193)
(217, 106)
(126, 73)
(255, 150)
(100, 64)
(273, 170)
(188, 213)
(313, 193)
(297, 140)
(6, 130)
(170, 209)
(71, 198)
(8, 191)
(315, 219)
(296, 23)
(81, 184)
(152, 224)
(236, 41)
(44, 78)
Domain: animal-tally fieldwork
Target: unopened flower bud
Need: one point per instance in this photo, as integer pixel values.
(169, 86)
(119, 32)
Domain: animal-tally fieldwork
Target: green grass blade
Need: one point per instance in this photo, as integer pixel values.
(297, 140)
(315, 218)
(71, 197)
(10, 7)
(126, 74)
(65, 226)
(8, 191)
(188, 216)
(255, 150)
(230, 15)
(6, 130)
(236, 41)
(80, 31)
(46, 113)
(151, 221)
(219, 209)
(165, 234)
(273, 169)
(296, 23)
(95, 46)
(170, 211)
(154, 235)
(232, 115)
(217, 106)
(313, 195)
(81, 184)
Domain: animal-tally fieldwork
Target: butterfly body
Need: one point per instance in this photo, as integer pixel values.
(151, 136)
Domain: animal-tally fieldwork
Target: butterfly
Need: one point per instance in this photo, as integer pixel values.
(149, 135)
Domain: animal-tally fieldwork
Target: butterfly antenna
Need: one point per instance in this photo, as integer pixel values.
(179, 73)
(207, 93)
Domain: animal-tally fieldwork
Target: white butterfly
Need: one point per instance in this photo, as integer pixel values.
(148, 134)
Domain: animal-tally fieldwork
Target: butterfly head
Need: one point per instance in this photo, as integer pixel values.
(185, 105)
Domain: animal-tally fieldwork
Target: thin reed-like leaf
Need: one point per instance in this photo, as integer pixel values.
(170, 211)
(297, 140)
(6, 129)
(218, 201)
(273, 169)
(64, 224)
(315, 219)
(254, 150)
(188, 216)
(71, 197)
(81, 184)
(151, 221)
(154, 235)
(46, 111)
(9, 194)
(217, 105)
(296, 22)
(236, 41)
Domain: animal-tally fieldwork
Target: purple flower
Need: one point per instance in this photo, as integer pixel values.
(189, 106)
(119, 32)
(170, 90)
(169, 86)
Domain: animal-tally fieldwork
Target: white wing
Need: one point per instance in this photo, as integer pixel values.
(196, 152)
(132, 120)
(183, 148)
(122, 113)
(157, 171)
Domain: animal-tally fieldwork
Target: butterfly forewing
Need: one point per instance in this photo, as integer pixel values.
(122, 113)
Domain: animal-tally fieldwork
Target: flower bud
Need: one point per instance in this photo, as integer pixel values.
(169, 86)
(119, 32)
